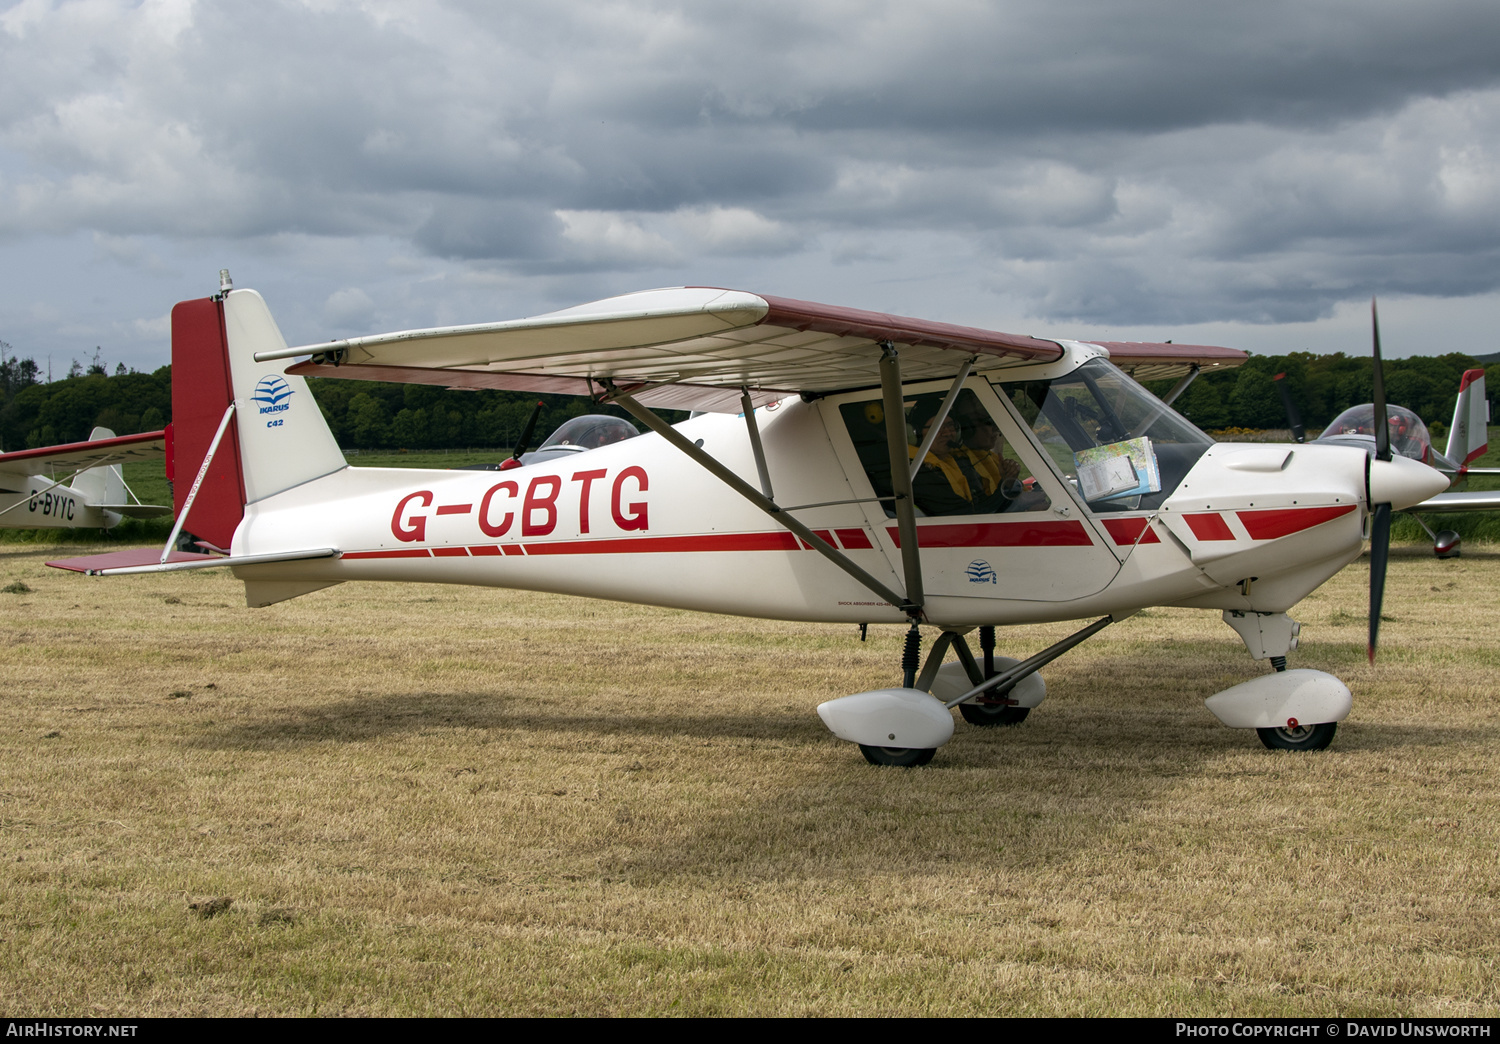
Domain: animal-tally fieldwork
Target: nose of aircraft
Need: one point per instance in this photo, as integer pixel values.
(1402, 482)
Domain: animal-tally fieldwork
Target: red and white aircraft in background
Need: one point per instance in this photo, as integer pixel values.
(1468, 440)
(852, 467)
(91, 492)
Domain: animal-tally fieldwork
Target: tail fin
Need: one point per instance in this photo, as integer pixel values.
(104, 485)
(1468, 439)
(279, 438)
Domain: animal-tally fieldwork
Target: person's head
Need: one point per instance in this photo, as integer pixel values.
(984, 433)
(921, 418)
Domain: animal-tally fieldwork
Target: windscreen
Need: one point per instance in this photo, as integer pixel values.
(590, 431)
(1119, 445)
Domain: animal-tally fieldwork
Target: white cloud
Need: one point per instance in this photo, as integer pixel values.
(734, 231)
(602, 237)
(348, 307)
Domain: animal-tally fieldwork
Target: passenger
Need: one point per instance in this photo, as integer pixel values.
(956, 479)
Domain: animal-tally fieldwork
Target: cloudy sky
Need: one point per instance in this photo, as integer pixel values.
(1244, 174)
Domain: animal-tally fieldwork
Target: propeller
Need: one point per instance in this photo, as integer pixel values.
(524, 442)
(1293, 418)
(1380, 527)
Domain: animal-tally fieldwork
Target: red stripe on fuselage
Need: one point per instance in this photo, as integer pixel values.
(779, 540)
(854, 539)
(1280, 522)
(1129, 531)
(1210, 526)
(1000, 534)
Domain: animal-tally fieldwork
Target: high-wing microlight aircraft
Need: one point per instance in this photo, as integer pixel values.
(852, 467)
(1468, 440)
(90, 492)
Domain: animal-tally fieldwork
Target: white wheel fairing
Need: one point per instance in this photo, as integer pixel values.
(906, 718)
(1284, 700)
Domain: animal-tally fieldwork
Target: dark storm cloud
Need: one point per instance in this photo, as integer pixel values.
(472, 228)
(1158, 161)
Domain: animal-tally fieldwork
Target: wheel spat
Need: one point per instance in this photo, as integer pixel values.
(1380, 524)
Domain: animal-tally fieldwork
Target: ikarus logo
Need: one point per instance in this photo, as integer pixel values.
(981, 572)
(272, 393)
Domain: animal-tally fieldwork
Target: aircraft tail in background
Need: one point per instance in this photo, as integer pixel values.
(1468, 438)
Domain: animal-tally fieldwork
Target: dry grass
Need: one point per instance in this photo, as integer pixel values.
(428, 800)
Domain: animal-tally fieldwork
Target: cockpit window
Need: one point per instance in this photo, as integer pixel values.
(967, 471)
(590, 432)
(1123, 448)
(1408, 434)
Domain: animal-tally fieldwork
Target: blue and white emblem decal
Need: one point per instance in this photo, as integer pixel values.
(272, 393)
(981, 572)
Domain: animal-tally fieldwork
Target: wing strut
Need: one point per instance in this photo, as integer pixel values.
(187, 505)
(895, 441)
(1182, 385)
(941, 415)
(760, 455)
(750, 493)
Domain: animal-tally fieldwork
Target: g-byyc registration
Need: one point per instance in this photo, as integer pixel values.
(847, 467)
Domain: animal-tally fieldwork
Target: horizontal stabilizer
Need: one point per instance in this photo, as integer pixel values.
(148, 560)
(135, 556)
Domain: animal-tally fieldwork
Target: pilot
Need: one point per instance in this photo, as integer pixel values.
(956, 479)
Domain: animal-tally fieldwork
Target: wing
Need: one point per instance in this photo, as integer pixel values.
(1148, 361)
(695, 348)
(119, 449)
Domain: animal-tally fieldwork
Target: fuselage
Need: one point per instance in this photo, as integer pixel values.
(39, 502)
(1234, 527)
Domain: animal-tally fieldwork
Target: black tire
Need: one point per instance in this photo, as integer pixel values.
(899, 757)
(1303, 737)
(986, 715)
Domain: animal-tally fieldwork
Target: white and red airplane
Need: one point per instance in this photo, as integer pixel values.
(1468, 440)
(852, 467)
(89, 494)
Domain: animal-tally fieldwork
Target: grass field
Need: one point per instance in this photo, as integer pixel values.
(429, 800)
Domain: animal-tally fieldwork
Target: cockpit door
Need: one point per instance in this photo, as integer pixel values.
(993, 519)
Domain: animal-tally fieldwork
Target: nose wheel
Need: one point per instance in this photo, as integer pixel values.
(897, 757)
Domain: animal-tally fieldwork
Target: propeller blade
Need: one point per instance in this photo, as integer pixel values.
(1382, 431)
(1293, 418)
(524, 442)
(1380, 553)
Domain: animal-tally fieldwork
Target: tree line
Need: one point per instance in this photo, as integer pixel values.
(362, 414)
(1322, 387)
(370, 415)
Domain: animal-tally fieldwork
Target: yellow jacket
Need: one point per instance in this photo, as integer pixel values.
(986, 464)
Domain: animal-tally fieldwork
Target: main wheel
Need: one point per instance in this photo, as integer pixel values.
(900, 757)
(1299, 737)
(987, 714)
